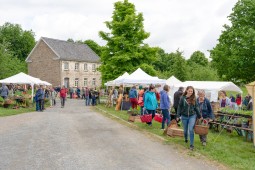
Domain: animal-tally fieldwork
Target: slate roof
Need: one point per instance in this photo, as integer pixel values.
(72, 51)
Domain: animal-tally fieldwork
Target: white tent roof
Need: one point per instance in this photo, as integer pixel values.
(113, 82)
(172, 81)
(140, 77)
(21, 78)
(211, 85)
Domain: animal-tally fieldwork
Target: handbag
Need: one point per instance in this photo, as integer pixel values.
(146, 118)
(158, 118)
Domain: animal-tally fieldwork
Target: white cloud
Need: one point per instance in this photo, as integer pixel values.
(184, 24)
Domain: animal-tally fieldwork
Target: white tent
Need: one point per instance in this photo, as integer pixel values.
(172, 81)
(140, 77)
(22, 78)
(113, 82)
(211, 87)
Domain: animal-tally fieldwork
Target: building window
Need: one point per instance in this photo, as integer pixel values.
(76, 82)
(76, 67)
(85, 67)
(93, 67)
(85, 81)
(94, 82)
(66, 66)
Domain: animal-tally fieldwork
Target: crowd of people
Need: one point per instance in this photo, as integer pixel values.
(91, 96)
(187, 108)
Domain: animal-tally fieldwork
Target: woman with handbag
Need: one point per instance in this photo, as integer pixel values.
(188, 111)
(150, 102)
(205, 110)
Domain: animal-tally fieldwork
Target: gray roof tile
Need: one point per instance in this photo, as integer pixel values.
(72, 51)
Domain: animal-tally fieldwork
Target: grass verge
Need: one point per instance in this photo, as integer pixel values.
(10, 111)
(228, 149)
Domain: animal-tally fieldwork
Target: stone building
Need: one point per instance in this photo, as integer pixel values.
(64, 63)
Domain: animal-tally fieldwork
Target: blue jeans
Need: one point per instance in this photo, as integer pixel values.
(188, 125)
(37, 106)
(166, 116)
(62, 101)
(87, 100)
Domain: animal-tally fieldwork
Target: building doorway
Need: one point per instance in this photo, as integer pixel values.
(66, 82)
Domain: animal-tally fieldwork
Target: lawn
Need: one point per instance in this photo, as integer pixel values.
(10, 111)
(228, 149)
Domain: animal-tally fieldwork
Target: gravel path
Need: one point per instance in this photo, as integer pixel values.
(76, 137)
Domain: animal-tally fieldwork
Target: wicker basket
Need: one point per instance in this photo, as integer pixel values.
(175, 132)
(8, 102)
(201, 129)
(134, 118)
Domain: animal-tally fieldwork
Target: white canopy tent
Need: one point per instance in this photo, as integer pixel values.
(22, 78)
(113, 82)
(172, 81)
(211, 87)
(140, 77)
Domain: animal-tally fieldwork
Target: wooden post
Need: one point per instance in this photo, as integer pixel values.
(251, 90)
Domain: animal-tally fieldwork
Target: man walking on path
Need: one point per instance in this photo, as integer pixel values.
(63, 92)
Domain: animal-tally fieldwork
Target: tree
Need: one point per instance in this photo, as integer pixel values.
(199, 58)
(9, 64)
(197, 72)
(179, 68)
(20, 42)
(94, 46)
(233, 56)
(125, 50)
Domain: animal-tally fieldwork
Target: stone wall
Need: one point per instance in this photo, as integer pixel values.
(43, 64)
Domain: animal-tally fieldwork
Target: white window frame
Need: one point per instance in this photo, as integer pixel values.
(76, 66)
(85, 81)
(76, 82)
(94, 67)
(85, 68)
(93, 82)
(66, 66)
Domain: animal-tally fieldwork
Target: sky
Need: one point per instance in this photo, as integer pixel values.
(187, 25)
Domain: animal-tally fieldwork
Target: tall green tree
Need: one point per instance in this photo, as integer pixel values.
(94, 46)
(179, 68)
(198, 72)
(234, 55)
(10, 64)
(198, 57)
(20, 42)
(125, 49)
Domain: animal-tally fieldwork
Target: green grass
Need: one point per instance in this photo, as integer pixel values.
(10, 111)
(228, 149)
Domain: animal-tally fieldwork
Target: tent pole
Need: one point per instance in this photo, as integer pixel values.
(32, 85)
(122, 96)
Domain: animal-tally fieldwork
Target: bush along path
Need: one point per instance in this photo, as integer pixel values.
(225, 148)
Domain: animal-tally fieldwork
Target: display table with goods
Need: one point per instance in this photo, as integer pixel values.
(238, 120)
